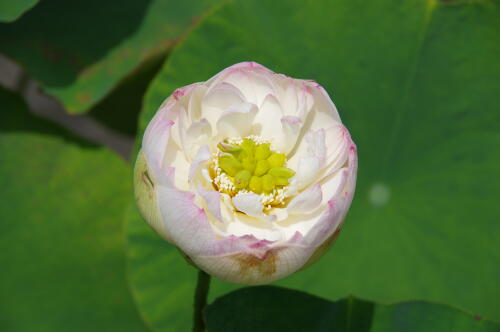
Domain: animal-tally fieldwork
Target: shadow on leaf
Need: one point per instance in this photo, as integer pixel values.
(269, 308)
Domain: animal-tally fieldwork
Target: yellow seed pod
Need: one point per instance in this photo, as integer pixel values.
(262, 151)
(281, 181)
(248, 146)
(242, 178)
(255, 184)
(229, 164)
(261, 168)
(249, 164)
(282, 172)
(276, 159)
(268, 183)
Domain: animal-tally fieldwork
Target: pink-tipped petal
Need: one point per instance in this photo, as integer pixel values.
(324, 102)
(250, 78)
(223, 95)
(338, 205)
(155, 141)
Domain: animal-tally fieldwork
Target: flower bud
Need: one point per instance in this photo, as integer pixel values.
(250, 174)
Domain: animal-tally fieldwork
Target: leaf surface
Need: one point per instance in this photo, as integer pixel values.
(11, 10)
(61, 233)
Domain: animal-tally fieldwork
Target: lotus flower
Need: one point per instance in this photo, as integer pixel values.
(250, 174)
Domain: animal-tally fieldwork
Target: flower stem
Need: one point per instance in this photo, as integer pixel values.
(200, 300)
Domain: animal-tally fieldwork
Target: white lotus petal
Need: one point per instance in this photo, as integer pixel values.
(222, 96)
(287, 137)
(212, 199)
(307, 172)
(194, 108)
(155, 140)
(199, 181)
(324, 114)
(201, 158)
(296, 98)
(306, 201)
(323, 102)
(237, 120)
(316, 144)
(312, 145)
(250, 204)
(269, 116)
(218, 99)
(199, 132)
(261, 227)
(290, 98)
(250, 78)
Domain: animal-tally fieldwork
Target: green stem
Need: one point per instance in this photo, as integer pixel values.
(200, 301)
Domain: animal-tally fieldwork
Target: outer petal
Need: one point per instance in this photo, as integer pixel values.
(338, 141)
(324, 113)
(338, 205)
(274, 263)
(186, 225)
(194, 103)
(154, 143)
(252, 79)
(295, 96)
(145, 196)
(159, 129)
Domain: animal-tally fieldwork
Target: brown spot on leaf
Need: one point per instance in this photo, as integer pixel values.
(195, 20)
(57, 55)
(265, 266)
(83, 97)
(477, 317)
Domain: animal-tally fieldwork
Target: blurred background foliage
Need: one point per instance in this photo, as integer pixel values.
(417, 83)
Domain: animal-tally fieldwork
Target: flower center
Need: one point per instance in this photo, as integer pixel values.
(250, 165)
